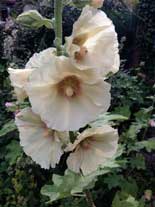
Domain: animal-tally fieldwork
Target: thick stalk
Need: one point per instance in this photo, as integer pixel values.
(89, 199)
(58, 9)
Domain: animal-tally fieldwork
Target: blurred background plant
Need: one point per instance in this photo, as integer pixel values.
(131, 185)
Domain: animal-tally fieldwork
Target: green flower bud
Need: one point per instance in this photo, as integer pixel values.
(33, 19)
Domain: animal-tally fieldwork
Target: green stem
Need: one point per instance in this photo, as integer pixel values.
(89, 198)
(58, 9)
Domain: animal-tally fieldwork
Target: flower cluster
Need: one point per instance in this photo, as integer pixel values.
(68, 92)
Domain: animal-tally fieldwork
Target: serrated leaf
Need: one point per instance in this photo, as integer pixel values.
(72, 184)
(117, 180)
(123, 199)
(33, 19)
(149, 145)
(65, 186)
(107, 118)
(123, 111)
(138, 162)
(8, 127)
(13, 152)
(113, 180)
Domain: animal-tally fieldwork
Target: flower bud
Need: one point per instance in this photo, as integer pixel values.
(9, 104)
(33, 19)
(97, 3)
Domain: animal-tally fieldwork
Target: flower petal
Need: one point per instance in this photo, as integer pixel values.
(19, 78)
(74, 160)
(37, 142)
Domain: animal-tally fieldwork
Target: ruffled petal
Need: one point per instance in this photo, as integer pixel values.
(37, 141)
(19, 78)
(75, 160)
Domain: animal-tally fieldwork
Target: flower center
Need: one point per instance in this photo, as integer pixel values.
(80, 40)
(81, 54)
(69, 87)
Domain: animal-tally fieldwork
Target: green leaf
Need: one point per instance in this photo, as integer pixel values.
(8, 127)
(107, 118)
(72, 184)
(65, 186)
(149, 145)
(128, 185)
(113, 180)
(123, 199)
(138, 162)
(13, 152)
(143, 116)
(123, 111)
(33, 19)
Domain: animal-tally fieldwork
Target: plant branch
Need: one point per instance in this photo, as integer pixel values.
(58, 9)
(89, 198)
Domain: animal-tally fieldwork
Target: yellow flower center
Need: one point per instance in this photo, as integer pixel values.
(69, 87)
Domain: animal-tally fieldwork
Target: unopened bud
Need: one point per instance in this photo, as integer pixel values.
(9, 104)
(97, 3)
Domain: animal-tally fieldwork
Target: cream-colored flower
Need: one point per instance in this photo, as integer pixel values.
(93, 43)
(97, 3)
(18, 79)
(92, 149)
(42, 144)
(66, 98)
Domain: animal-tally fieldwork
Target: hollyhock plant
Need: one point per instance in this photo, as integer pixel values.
(66, 89)
(58, 91)
(93, 43)
(92, 148)
(42, 144)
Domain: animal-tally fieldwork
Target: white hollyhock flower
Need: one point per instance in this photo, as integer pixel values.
(66, 98)
(42, 144)
(93, 43)
(92, 148)
(18, 79)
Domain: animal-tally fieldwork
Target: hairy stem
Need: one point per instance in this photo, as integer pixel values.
(58, 9)
(89, 198)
